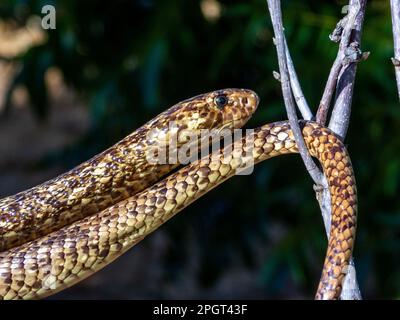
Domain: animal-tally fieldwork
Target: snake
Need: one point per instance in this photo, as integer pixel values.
(48, 264)
(120, 171)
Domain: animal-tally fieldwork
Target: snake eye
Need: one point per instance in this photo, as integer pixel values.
(221, 100)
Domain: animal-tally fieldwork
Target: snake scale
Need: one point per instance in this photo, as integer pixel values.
(71, 248)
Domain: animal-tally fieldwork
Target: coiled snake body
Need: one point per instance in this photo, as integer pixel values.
(48, 264)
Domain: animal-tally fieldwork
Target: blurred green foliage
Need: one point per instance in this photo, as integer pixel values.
(132, 59)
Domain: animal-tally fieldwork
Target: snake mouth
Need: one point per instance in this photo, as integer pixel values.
(233, 124)
(228, 125)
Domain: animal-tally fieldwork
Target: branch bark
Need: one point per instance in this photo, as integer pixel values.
(395, 10)
(340, 118)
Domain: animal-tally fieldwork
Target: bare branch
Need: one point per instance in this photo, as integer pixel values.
(341, 33)
(330, 86)
(296, 88)
(340, 118)
(395, 10)
(276, 18)
(295, 85)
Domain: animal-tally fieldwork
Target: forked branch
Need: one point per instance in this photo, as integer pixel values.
(341, 80)
(276, 17)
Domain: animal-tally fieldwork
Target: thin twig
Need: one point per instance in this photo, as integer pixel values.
(276, 18)
(330, 86)
(296, 88)
(395, 9)
(295, 85)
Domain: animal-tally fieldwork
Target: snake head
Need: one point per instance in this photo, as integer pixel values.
(232, 107)
(221, 109)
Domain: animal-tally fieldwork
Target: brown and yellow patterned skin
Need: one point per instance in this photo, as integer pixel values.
(117, 173)
(49, 264)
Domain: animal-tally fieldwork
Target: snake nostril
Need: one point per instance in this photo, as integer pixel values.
(245, 100)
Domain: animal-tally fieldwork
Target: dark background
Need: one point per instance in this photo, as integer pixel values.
(112, 65)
